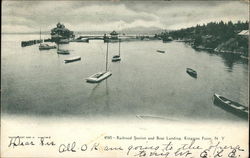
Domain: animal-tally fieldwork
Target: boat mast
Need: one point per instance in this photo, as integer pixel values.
(119, 46)
(40, 36)
(107, 56)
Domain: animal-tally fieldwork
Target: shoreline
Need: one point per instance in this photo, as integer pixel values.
(215, 50)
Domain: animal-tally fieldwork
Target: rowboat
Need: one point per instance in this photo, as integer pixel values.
(72, 59)
(61, 51)
(191, 72)
(116, 58)
(98, 77)
(160, 51)
(231, 106)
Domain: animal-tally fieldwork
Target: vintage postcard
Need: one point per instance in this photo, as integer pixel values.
(131, 79)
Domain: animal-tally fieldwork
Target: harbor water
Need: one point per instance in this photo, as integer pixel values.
(145, 82)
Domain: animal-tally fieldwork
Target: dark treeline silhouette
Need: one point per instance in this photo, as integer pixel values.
(220, 35)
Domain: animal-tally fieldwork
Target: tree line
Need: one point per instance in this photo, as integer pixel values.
(212, 34)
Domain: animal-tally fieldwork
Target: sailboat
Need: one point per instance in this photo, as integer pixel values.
(44, 46)
(117, 57)
(99, 76)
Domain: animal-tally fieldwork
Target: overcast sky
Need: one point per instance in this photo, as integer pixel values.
(30, 16)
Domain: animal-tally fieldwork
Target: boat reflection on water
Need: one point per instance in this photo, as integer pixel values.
(230, 60)
(101, 99)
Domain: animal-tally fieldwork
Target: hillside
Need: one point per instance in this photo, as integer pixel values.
(221, 37)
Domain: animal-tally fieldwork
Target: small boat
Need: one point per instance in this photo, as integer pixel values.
(81, 40)
(72, 59)
(98, 77)
(117, 57)
(191, 72)
(61, 51)
(160, 51)
(231, 106)
(46, 47)
(63, 41)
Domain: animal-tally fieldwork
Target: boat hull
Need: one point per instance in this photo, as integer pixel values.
(116, 58)
(72, 60)
(226, 104)
(46, 47)
(191, 72)
(98, 77)
(160, 51)
(63, 52)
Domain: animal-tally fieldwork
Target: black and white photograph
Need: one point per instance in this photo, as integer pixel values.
(120, 78)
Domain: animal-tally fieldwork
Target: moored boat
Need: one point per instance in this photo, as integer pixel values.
(46, 47)
(61, 51)
(160, 51)
(231, 106)
(72, 59)
(116, 58)
(98, 77)
(191, 72)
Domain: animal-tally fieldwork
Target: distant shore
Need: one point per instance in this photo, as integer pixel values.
(220, 37)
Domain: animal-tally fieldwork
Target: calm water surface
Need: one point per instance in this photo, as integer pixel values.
(144, 82)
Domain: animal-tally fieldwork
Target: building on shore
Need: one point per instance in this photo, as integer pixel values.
(60, 32)
(244, 33)
(114, 35)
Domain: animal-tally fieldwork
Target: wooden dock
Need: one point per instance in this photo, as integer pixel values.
(95, 37)
(30, 42)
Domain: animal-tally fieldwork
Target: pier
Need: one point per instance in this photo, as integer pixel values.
(30, 42)
(87, 38)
